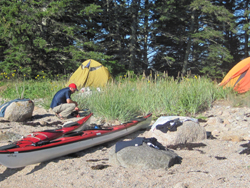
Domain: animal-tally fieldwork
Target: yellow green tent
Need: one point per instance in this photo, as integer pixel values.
(90, 73)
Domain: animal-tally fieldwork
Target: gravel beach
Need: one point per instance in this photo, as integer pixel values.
(216, 162)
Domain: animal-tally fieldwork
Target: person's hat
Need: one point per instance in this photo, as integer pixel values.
(73, 86)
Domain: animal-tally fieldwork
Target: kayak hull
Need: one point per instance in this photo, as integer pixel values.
(20, 157)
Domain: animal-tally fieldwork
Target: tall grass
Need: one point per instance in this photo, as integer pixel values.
(130, 96)
(127, 98)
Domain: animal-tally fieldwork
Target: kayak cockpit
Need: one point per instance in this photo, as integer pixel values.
(10, 146)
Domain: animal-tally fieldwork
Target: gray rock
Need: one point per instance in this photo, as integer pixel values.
(19, 111)
(143, 157)
(188, 132)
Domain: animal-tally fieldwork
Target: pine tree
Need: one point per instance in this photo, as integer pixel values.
(49, 36)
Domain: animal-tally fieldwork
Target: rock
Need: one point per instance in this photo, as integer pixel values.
(181, 185)
(143, 157)
(215, 120)
(43, 123)
(234, 125)
(247, 138)
(42, 110)
(215, 132)
(226, 114)
(188, 132)
(19, 111)
(234, 138)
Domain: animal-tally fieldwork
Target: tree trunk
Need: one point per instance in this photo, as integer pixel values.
(135, 4)
(145, 45)
(246, 30)
(189, 43)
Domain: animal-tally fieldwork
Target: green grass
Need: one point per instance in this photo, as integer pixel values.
(31, 89)
(129, 97)
(125, 99)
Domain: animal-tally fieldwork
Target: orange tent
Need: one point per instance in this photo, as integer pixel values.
(238, 77)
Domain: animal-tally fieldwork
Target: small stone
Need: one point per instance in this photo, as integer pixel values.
(43, 123)
(234, 138)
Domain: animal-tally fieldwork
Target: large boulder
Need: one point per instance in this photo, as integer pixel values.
(143, 157)
(189, 131)
(19, 111)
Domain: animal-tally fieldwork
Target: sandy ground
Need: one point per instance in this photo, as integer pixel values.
(210, 163)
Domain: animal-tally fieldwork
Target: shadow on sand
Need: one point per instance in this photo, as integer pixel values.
(9, 172)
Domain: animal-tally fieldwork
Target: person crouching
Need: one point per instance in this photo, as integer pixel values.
(62, 104)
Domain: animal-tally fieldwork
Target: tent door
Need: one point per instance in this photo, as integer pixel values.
(239, 79)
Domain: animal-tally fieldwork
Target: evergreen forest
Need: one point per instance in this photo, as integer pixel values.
(53, 37)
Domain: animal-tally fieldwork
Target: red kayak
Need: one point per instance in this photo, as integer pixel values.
(48, 135)
(59, 142)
